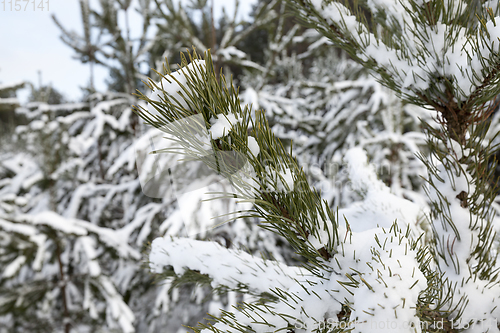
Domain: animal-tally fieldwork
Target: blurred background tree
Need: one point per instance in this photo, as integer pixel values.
(45, 93)
(8, 105)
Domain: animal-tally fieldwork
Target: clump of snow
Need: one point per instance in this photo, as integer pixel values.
(13, 267)
(225, 267)
(222, 125)
(286, 179)
(462, 238)
(88, 245)
(381, 261)
(171, 86)
(253, 146)
(379, 207)
(116, 307)
(389, 279)
(56, 222)
(229, 52)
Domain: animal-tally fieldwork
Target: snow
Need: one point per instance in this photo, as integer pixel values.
(88, 245)
(33, 179)
(56, 222)
(117, 308)
(162, 300)
(225, 267)
(17, 228)
(13, 267)
(385, 261)
(464, 239)
(39, 240)
(253, 146)
(388, 268)
(170, 88)
(230, 52)
(379, 207)
(143, 219)
(222, 125)
(114, 239)
(9, 101)
(374, 267)
(10, 86)
(282, 179)
(429, 51)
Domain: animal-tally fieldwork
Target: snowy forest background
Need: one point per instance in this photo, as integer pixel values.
(75, 220)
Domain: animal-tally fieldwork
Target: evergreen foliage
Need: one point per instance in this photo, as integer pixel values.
(74, 221)
(46, 94)
(387, 269)
(183, 27)
(318, 240)
(8, 105)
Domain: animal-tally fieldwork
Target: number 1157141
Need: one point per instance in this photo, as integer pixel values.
(24, 5)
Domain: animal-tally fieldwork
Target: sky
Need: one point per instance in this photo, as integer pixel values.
(30, 44)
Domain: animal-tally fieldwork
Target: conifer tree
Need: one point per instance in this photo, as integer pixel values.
(325, 104)
(377, 267)
(8, 105)
(179, 30)
(73, 222)
(64, 265)
(444, 56)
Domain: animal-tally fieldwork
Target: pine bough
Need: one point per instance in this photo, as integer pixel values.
(381, 268)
